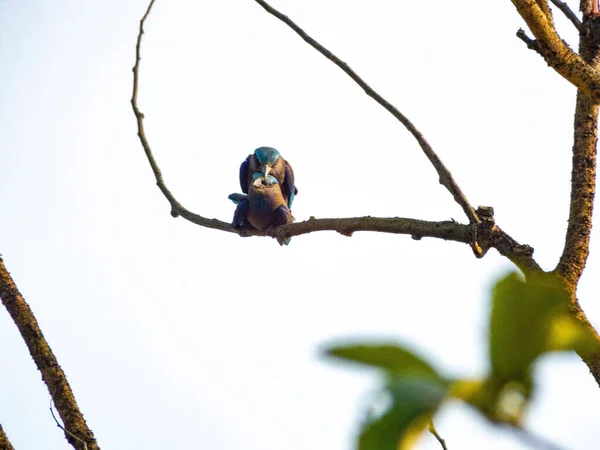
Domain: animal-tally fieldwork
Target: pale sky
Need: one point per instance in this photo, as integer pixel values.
(175, 336)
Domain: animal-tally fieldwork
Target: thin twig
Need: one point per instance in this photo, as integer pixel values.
(63, 428)
(433, 431)
(445, 177)
(52, 374)
(176, 208)
(4, 442)
(569, 13)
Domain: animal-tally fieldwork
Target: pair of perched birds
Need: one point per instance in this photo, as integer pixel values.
(267, 181)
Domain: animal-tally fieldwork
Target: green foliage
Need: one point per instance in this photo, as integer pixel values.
(414, 399)
(528, 319)
(389, 357)
(414, 391)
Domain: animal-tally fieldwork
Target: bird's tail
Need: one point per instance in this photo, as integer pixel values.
(237, 198)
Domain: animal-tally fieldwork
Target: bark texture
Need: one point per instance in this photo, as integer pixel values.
(76, 430)
(583, 184)
(557, 52)
(4, 442)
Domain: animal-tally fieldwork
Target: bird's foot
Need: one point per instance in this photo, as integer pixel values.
(278, 234)
(244, 229)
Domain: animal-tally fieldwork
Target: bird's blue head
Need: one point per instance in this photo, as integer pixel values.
(259, 178)
(266, 155)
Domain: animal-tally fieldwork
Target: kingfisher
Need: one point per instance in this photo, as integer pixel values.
(268, 162)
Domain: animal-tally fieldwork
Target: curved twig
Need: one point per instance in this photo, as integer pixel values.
(63, 428)
(434, 432)
(445, 177)
(52, 374)
(568, 12)
(177, 208)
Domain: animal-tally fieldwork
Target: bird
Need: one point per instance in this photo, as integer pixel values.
(263, 207)
(268, 161)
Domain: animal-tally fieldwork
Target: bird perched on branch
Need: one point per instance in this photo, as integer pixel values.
(263, 207)
(268, 161)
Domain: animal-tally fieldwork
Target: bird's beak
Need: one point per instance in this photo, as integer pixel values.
(266, 169)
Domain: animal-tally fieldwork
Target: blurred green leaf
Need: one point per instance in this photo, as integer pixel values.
(392, 358)
(412, 402)
(466, 390)
(499, 402)
(527, 320)
(569, 334)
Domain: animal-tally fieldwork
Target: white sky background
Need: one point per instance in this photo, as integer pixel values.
(175, 336)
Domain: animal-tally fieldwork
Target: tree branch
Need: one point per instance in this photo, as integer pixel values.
(445, 177)
(177, 209)
(556, 52)
(543, 4)
(583, 184)
(568, 12)
(4, 442)
(52, 374)
(433, 431)
(531, 43)
(486, 234)
(583, 180)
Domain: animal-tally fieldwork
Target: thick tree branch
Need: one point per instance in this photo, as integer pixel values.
(445, 177)
(543, 4)
(556, 52)
(583, 185)
(4, 442)
(46, 362)
(582, 71)
(583, 180)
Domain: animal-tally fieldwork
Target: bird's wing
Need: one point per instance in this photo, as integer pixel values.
(239, 216)
(289, 186)
(244, 169)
